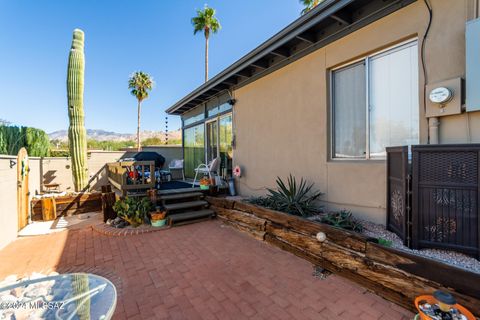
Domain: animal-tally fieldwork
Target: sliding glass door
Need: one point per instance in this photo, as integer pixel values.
(212, 140)
(194, 149)
(207, 141)
(225, 145)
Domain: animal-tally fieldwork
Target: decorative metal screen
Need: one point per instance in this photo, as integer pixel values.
(398, 192)
(445, 197)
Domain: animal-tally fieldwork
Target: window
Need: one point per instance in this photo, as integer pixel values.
(375, 104)
(218, 109)
(193, 116)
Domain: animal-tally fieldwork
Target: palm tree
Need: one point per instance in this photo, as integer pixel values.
(310, 4)
(207, 22)
(140, 84)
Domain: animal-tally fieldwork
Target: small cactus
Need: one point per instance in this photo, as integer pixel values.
(77, 135)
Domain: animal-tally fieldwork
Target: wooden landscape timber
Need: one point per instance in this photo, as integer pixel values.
(396, 275)
(70, 205)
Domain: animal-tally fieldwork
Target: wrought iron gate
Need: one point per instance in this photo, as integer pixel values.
(445, 180)
(398, 193)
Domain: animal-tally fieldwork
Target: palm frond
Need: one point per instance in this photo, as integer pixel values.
(140, 83)
(205, 21)
(309, 5)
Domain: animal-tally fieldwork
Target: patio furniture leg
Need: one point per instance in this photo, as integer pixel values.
(194, 179)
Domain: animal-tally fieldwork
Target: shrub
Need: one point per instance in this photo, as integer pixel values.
(342, 219)
(292, 198)
(133, 210)
(60, 153)
(385, 242)
(13, 138)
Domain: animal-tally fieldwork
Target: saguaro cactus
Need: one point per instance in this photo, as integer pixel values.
(77, 134)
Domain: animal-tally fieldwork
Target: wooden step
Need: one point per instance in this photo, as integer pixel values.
(190, 217)
(185, 205)
(180, 196)
(177, 191)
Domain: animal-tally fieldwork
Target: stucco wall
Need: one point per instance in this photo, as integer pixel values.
(58, 170)
(8, 196)
(8, 201)
(168, 152)
(281, 121)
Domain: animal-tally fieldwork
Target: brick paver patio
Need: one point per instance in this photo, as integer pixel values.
(199, 271)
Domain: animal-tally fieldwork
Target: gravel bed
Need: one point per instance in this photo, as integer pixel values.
(453, 258)
(450, 257)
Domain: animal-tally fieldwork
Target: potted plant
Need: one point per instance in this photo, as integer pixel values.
(204, 183)
(159, 217)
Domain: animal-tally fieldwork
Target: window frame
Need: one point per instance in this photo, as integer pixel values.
(366, 60)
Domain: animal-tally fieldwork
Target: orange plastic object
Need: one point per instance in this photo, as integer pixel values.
(431, 300)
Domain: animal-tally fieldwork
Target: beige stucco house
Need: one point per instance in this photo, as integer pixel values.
(324, 97)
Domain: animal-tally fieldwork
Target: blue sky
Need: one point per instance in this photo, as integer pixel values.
(121, 36)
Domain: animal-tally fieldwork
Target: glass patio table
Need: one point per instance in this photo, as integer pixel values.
(72, 296)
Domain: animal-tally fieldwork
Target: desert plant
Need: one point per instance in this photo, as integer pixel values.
(140, 84)
(265, 201)
(385, 242)
(77, 135)
(80, 286)
(133, 210)
(207, 22)
(342, 219)
(13, 138)
(159, 214)
(292, 198)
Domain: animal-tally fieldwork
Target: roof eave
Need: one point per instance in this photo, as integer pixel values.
(297, 29)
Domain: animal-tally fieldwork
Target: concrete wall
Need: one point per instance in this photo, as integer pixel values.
(281, 121)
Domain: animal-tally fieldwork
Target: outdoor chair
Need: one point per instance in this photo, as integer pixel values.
(176, 165)
(212, 166)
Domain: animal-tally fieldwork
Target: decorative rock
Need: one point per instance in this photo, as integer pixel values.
(36, 275)
(321, 236)
(11, 278)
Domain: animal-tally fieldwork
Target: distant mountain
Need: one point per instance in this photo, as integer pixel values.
(102, 135)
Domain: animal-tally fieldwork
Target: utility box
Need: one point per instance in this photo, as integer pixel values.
(472, 38)
(452, 105)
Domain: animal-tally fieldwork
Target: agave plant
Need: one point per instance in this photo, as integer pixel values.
(294, 198)
(342, 219)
